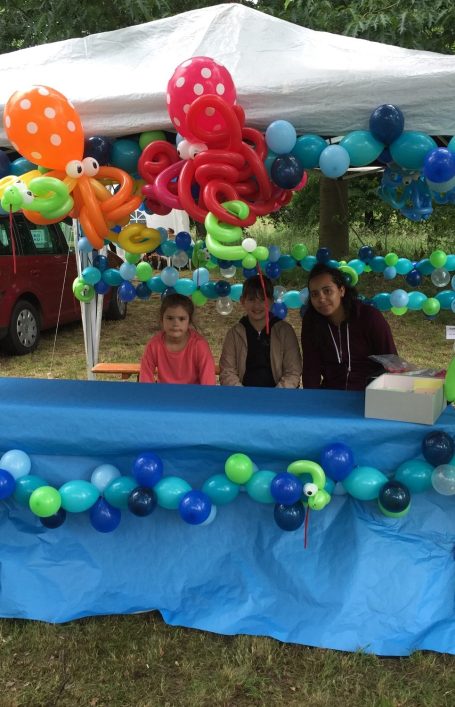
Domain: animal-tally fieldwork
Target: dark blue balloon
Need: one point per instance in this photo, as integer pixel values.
(337, 460)
(126, 291)
(142, 501)
(438, 447)
(98, 147)
(209, 290)
(142, 291)
(425, 267)
(439, 165)
(286, 488)
(195, 507)
(323, 255)
(7, 484)
(272, 270)
(289, 517)
(249, 272)
(385, 157)
(280, 310)
(224, 264)
(101, 287)
(414, 278)
(394, 497)
(104, 517)
(148, 469)
(100, 262)
(366, 252)
(54, 521)
(167, 291)
(183, 240)
(223, 288)
(386, 123)
(286, 171)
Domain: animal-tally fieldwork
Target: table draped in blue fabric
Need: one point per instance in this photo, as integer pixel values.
(365, 581)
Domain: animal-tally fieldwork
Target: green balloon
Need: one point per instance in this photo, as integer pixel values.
(258, 487)
(45, 501)
(431, 306)
(82, 291)
(249, 261)
(392, 514)
(220, 489)
(117, 492)
(144, 271)
(150, 136)
(399, 311)
(25, 485)
(198, 298)
(133, 258)
(391, 259)
(261, 252)
(319, 500)
(170, 490)
(239, 468)
(449, 383)
(299, 251)
(438, 258)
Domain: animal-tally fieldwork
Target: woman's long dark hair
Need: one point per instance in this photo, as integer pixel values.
(350, 294)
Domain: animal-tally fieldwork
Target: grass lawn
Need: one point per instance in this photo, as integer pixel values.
(139, 660)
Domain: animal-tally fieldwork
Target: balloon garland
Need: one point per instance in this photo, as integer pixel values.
(303, 486)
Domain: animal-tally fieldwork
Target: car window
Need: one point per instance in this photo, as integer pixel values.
(45, 239)
(5, 244)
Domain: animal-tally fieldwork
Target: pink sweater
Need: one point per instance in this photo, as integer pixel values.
(193, 364)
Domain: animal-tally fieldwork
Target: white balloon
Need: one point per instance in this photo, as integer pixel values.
(440, 277)
(228, 272)
(224, 305)
(443, 479)
(249, 244)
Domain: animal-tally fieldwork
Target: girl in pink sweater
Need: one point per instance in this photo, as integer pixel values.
(177, 354)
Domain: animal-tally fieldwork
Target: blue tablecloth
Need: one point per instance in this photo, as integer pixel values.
(364, 582)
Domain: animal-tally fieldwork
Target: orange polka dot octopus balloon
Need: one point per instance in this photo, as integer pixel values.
(44, 127)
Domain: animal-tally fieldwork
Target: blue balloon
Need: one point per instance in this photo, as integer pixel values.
(102, 476)
(54, 521)
(289, 517)
(410, 149)
(21, 166)
(128, 271)
(91, 275)
(142, 291)
(125, 154)
(223, 288)
(258, 487)
(323, 255)
(104, 517)
(220, 489)
(118, 491)
(98, 147)
(142, 501)
(366, 253)
(292, 299)
(390, 272)
(280, 137)
(403, 266)
(185, 286)
(416, 300)
(334, 161)
(394, 497)
(169, 276)
(169, 248)
(425, 267)
(413, 278)
(155, 284)
(286, 171)
(308, 262)
(148, 469)
(101, 262)
(170, 491)
(357, 265)
(439, 165)
(337, 460)
(78, 495)
(386, 123)
(364, 483)
(167, 291)
(438, 447)
(286, 488)
(446, 299)
(377, 263)
(126, 291)
(209, 290)
(183, 240)
(274, 253)
(7, 484)
(195, 507)
(362, 147)
(308, 150)
(201, 276)
(272, 270)
(25, 486)
(416, 474)
(269, 160)
(381, 301)
(399, 298)
(279, 310)
(250, 272)
(286, 262)
(236, 292)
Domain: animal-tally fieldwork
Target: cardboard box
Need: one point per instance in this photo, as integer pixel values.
(405, 398)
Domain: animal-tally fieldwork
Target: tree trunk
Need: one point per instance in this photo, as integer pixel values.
(333, 216)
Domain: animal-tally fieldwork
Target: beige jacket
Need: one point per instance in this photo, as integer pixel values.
(285, 357)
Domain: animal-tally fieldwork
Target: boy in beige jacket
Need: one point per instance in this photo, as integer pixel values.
(261, 350)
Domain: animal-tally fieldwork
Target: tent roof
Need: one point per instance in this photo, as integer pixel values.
(322, 83)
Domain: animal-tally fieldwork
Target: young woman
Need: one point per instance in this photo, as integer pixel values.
(177, 354)
(339, 333)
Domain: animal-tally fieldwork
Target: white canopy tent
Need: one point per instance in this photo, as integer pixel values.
(322, 83)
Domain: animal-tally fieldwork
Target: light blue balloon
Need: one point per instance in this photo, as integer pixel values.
(377, 264)
(381, 301)
(103, 475)
(258, 487)
(127, 271)
(334, 161)
(84, 245)
(163, 234)
(185, 286)
(170, 491)
(168, 248)
(201, 276)
(220, 489)
(308, 150)
(25, 486)
(365, 482)
(17, 462)
(362, 147)
(425, 267)
(399, 298)
(416, 300)
(118, 491)
(155, 284)
(308, 262)
(357, 265)
(332, 263)
(446, 298)
(274, 253)
(304, 295)
(78, 495)
(415, 474)
(236, 292)
(292, 299)
(280, 137)
(390, 272)
(112, 277)
(91, 275)
(411, 148)
(169, 276)
(450, 263)
(403, 266)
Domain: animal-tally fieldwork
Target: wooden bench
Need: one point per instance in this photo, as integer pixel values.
(125, 370)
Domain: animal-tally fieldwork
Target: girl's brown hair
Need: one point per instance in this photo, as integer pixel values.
(176, 300)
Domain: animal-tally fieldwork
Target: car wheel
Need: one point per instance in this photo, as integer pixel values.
(117, 308)
(24, 329)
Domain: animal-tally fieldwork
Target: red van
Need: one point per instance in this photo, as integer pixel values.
(30, 297)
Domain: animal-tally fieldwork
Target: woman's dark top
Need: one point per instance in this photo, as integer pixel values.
(336, 357)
